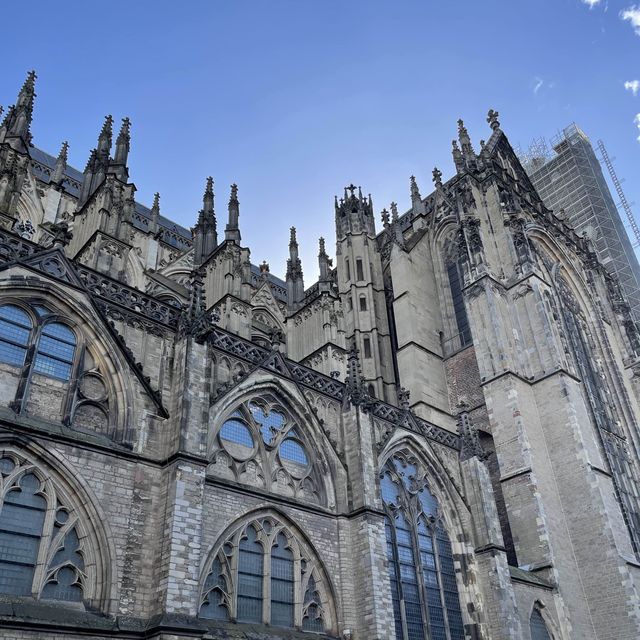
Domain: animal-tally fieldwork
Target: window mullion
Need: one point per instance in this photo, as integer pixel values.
(25, 376)
(266, 583)
(420, 576)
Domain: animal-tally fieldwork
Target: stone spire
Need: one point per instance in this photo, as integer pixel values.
(61, 165)
(232, 231)
(154, 226)
(354, 382)
(205, 231)
(295, 282)
(398, 238)
(465, 142)
(123, 145)
(324, 265)
(416, 198)
(17, 124)
(105, 137)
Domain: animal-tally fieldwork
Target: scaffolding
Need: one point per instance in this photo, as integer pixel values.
(626, 207)
(570, 178)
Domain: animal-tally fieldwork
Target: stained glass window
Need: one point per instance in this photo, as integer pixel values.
(422, 576)
(281, 583)
(250, 572)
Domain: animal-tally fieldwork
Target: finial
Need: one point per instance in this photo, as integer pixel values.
(394, 212)
(292, 236)
(264, 268)
(437, 175)
(107, 127)
(492, 119)
(155, 207)
(61, 164)
(461, 128)
(385, 218)
(234, 192)
(403, 398)
(322, 253)
(352, 187)
(125, 129)
(415, 192)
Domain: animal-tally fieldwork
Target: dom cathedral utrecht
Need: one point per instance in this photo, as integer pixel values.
(437, 440)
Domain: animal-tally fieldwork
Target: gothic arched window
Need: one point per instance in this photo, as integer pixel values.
(54, 343)
(422, 577)
(460, 332)
(262, 444)
(41, 553)
(263, 574)
(538, 627)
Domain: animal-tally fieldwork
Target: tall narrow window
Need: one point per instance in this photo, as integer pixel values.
(366, 343)
(457, 297)
(21, 522)
(250, 572)
(363, 303)
(282, 601)
(348, 269)
(359, 269)
(422, 578)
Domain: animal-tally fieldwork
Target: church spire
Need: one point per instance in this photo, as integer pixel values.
(17, 123)
(61, 165)
(232, 232)
(123, 144)
(205, 231)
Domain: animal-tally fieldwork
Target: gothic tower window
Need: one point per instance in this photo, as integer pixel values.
(359, 269)
(457, 297)
(422, 577)
(459, 333)
(263, 574)
(261, 443)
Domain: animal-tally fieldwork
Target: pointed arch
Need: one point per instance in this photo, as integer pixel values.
(264, 569)
(99, 388)
(424, 534)
(284, 450)
(72, 553)
(541, 624)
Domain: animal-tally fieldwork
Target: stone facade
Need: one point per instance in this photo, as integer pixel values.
(435, 440)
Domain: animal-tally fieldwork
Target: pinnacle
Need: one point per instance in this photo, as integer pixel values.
(63, 155)
(292, 236)
(234, 192)
(156, 202)
(107, 127)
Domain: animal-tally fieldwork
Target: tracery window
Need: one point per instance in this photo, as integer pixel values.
(263, 574)
(41, 553)
(424, 593)
(54, 343)
(262, 444)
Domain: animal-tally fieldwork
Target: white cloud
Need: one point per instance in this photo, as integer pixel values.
(636, 121)
(632, 15)
(633, 86)
(538, 82)
(591, 3)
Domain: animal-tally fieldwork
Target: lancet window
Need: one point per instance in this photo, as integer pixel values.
(422, 578)
(263, 574)
(262, 444)
(537, 626)
(42, 552)
(460, 330)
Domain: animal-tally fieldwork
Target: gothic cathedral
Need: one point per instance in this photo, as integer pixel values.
(437, 440)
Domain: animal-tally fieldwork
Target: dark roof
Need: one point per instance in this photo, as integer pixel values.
(173, 234)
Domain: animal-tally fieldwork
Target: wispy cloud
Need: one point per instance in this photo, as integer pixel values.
(636, 121)
(538, 83)
(632, 15)
(633, 86)
(591, 3)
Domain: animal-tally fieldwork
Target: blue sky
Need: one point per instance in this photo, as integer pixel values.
(294, 99)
